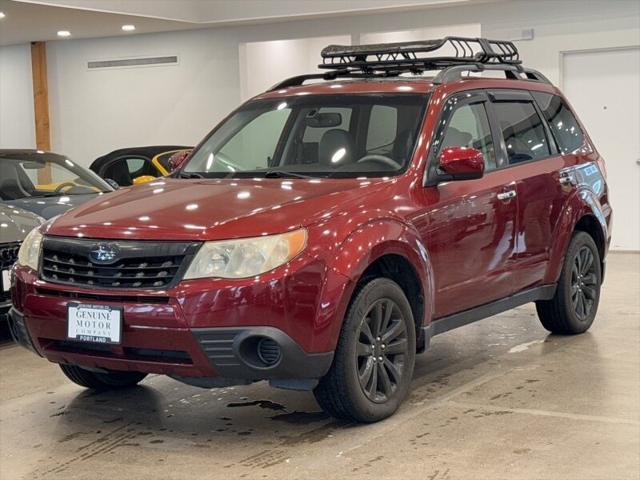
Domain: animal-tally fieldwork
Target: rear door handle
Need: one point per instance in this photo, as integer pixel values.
(506, 195)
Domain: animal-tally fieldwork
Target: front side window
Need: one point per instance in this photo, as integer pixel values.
(522, 130)
(469, 127)
(563, 124)
(314, 135)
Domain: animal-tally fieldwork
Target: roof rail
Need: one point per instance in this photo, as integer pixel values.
(394, 59)
(513, 72)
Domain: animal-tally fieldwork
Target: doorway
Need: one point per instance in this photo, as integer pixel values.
(604, 88)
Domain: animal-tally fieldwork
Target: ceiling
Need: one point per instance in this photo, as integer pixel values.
(31, 20)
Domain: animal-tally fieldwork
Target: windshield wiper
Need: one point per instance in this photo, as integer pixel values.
(190, 175)
(284, 174)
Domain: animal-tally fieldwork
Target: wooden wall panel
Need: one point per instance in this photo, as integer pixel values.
(41, 102)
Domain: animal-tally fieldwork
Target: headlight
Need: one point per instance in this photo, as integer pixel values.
(246, 257)
(29, 253)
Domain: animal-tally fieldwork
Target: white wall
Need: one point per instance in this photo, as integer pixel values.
(93, 112)
(263, 64)
(438, 31)
(16, 98)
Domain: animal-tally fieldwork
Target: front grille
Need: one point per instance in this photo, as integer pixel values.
(131, 298)
(137, 264)
(8, 256)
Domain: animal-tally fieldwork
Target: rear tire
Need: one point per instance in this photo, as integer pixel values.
(374, 359)
(574, 306)
(101, 381)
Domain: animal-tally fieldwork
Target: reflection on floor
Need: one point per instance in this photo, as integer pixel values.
(497, 399)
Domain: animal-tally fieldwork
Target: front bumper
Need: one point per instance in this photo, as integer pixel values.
(199, 329)
(229, 353)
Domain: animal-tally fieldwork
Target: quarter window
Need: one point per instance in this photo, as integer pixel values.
(563, 124)
(522, 130)
(469, 127)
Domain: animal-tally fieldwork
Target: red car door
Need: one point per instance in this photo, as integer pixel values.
(469, 226)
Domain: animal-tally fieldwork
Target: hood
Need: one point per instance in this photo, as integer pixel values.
(49, 207)
(15, 223)
(173, 209)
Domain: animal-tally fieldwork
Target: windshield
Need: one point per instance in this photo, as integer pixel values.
(313, 135)
(34, 175)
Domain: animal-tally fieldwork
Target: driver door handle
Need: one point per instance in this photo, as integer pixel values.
(507, 195)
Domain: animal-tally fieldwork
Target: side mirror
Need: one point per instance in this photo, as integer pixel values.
(460, 163)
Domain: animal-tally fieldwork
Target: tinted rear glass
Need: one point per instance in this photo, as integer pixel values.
(563, 124)
(522, 130)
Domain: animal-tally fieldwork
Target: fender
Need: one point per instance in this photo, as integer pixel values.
(383, 236)
(583, 202)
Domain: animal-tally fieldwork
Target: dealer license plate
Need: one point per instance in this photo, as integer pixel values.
(94, 323)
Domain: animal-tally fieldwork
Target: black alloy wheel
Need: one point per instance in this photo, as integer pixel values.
(584, 283)
(382, 350)
(374, 359)
(574, 305)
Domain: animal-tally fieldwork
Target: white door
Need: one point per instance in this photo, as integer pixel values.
(604, 89)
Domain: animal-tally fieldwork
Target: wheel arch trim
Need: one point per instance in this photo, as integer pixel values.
(582, 204)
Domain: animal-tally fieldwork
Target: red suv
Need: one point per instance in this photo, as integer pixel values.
(323, 233)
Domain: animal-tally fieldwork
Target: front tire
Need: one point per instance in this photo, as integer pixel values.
(374, 359)
(101, 381)
(574, 306)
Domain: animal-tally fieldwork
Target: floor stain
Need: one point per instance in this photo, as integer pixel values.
(266, 404)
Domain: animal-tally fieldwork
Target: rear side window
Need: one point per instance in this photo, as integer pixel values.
(563, 124)
(522, 130)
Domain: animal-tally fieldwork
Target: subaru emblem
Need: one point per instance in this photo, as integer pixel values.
(104, 253)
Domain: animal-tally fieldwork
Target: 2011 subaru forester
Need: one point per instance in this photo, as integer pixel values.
(323, 233)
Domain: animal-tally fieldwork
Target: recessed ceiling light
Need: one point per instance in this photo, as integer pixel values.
(64, 33)
(128, 28)
(2, 15)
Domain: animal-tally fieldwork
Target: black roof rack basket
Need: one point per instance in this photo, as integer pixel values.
(458, 55)
(417, 57)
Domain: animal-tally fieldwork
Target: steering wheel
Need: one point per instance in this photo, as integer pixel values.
(59, 188)
(381, 159)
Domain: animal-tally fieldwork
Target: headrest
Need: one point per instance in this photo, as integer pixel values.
(336, 147)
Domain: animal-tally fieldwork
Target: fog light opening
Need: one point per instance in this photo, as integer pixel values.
(268, 351)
